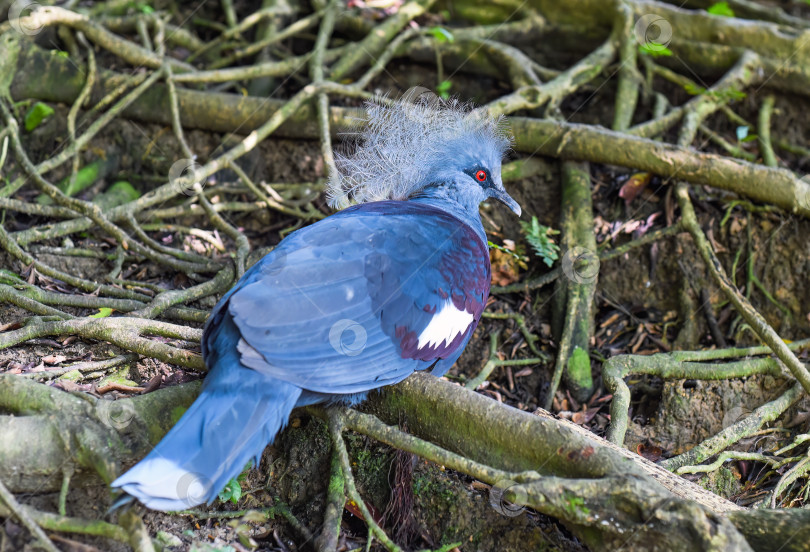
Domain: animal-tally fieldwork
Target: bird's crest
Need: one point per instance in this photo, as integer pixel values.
(402, 143)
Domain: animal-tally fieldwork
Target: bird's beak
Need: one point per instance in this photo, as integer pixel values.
(501, 195)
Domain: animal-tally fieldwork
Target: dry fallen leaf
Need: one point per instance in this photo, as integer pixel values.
(650, 452)
(504, 267)
(633, 186)
(737, 225)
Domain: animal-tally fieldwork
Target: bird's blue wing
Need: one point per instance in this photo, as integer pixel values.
(361, 299)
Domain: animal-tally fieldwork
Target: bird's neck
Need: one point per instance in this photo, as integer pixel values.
(461, 206)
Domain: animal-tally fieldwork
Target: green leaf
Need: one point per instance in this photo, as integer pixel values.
(441, 34)
(119, 193)
(242, 476)
(36, 114)
(540, 239)
(721, 8)
(694, 89)
(743, 134)
(236, 494)
(142, 7)
(103, 312)
(225, 494)
(654, 49)
(443, 89)
(85, 178)
(232, 492)
(233, 489)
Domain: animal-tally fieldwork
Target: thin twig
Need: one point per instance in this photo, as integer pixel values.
(22, 515)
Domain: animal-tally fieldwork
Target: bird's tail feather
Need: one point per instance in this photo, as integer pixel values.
(227, 425)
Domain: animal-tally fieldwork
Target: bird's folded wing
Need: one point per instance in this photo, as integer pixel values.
(362, 299)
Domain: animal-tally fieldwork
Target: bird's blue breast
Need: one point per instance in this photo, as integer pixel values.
(360, 299)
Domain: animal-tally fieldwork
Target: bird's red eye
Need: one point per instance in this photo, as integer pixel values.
(481, 175)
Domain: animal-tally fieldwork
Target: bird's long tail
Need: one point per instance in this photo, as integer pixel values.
(237, 414)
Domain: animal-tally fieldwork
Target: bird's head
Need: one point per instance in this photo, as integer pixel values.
(430, 147)
(470, 166)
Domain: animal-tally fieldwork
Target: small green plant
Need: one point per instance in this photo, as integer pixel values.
(443, 89)
(721, 8)
(70, 186)
(441, 34)
(541, 240)
(233, 489)
(36, 114)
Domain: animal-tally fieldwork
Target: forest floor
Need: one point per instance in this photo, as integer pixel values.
(639, 309)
